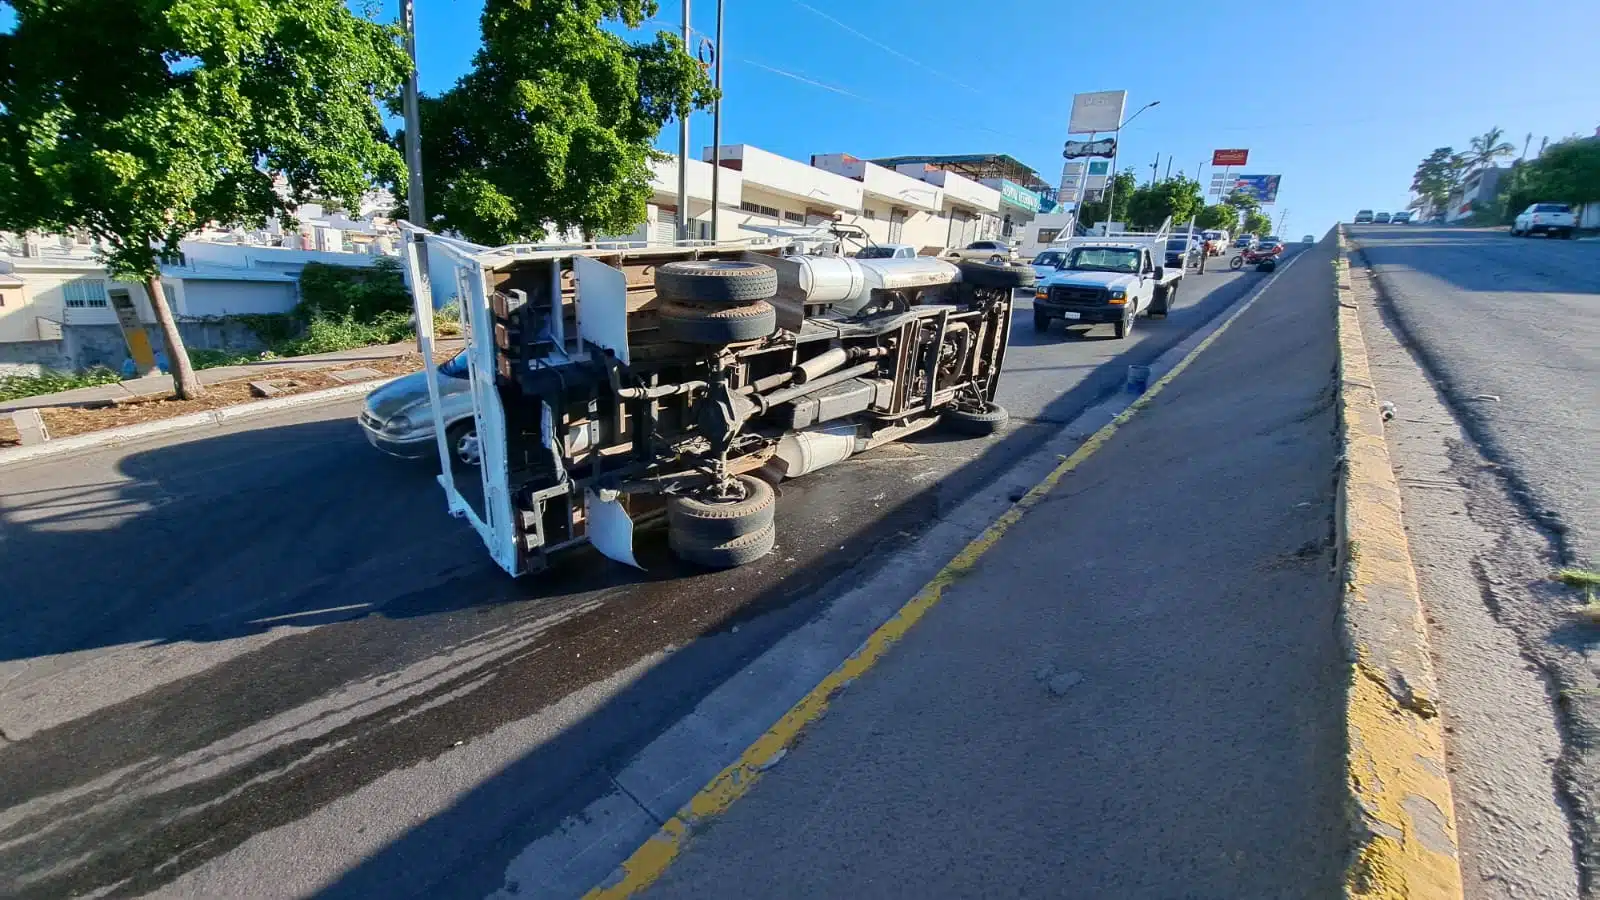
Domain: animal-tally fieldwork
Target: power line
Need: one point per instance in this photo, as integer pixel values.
(885, 47)
(805, 80)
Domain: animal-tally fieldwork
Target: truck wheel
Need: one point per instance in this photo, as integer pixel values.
(996, 275)
(976, 422)
(710, 520)
(716, 281)
(1163, 300)
(725, 555)
(1124, 327)
(698, 323)
(1041, 321)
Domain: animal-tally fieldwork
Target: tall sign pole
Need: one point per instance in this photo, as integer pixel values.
(415, 210)
(716, 134)
(683, 149)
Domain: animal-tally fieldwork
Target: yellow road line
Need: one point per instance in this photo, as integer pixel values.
(651, 860)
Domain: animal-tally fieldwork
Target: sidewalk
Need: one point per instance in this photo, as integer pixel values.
(1137, 692)
(156, 385)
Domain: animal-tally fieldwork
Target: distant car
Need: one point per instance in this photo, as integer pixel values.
(1553, 219)
(1308, 239)
(1400, 218)
(1216, 242)
(887, 251)
(984, 251)
(1271, 244)
(1047, 263)
(1364, 217)
(398, 419)
(1246, 242)
(1183, 252)
(1381, 219)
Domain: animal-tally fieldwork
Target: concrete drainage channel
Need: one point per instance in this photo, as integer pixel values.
(701, 753)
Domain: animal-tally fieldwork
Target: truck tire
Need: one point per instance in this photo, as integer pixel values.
(710, 521)
(976, 422)
(1041, 321)
(698, 323)
(996, 275)
(740, 551)
(716, 281)
(1163, 300)
(1124, 327)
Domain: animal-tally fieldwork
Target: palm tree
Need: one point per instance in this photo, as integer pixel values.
(1488, 147)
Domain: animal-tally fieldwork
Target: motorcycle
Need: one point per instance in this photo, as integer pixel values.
(1263, 260)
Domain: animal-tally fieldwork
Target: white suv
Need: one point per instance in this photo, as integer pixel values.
(1553, 219)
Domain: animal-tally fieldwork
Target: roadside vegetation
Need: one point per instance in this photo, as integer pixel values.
(1566, 171)
(1144, 207)
(15, 387)
(1588, 582)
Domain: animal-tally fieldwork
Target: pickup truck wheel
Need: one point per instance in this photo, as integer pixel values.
(706, 519)
(996, 274)
(1163, 300)
(1566, 234)
(716, 281)
(728, 554)
(698, 323)
(1124, 326)
(1041, 321)
(976, 422)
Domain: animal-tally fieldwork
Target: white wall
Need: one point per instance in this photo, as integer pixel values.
(272, 259)
(207, 297)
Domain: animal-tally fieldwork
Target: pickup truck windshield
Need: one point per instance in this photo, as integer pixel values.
(1551, 207)
(876, 253)
(1105, 259)
(1048, 258)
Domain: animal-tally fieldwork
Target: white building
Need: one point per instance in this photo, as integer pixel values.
(778, 191)
(895, 208)
(971, 209)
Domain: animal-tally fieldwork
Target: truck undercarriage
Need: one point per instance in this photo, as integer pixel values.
(616, 385)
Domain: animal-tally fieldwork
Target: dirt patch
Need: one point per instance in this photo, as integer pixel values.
(68, 421)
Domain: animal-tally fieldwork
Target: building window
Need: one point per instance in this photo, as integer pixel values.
(1048, 235)
(869, 214)
(768, 211)
(794, 217)
(85, 292)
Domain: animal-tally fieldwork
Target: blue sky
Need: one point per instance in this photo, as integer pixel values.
(1342, 99)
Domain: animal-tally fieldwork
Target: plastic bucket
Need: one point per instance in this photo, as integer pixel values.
(1138, 380)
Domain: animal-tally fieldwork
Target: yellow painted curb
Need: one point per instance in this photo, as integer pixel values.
(651, 860)
(1404, 816)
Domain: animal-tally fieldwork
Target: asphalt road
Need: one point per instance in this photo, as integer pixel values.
(251, 660)
(1511, 329)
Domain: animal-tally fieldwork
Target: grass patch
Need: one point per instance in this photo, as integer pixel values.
(1578, 578)
(15, 387)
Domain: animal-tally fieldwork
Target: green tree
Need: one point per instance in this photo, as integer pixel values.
(1093, 211)
(1217, 216)
(1242, 203)
(1436, 176)
(1488, 147)
(140, 121)
(1177, 197)
(554, 123)
(1567, 171)
(1257, 223)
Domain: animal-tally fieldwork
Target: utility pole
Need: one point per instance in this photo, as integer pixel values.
(415, 210)
(1111, 182)
(1282, 217)
(683, 149)
(1169, 167)
(716, 134)
(1154, 167)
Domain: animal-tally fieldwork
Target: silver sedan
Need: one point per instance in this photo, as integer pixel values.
(399, 420)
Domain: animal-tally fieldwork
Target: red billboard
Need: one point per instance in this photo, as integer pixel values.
(1229, 157)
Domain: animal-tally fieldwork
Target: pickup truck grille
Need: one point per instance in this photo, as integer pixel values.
(1067, 295)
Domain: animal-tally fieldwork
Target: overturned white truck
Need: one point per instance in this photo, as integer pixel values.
(615, 384)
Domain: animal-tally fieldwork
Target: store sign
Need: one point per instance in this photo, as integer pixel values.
(1099, 111)
(1262, 187)
(1100, 167)
(1018, 196)
(1229, 157)
(1081, 149)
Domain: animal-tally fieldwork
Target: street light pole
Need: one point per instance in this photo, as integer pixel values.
(1111, 183)
(716, 132)
(683, 148)
(414, 207)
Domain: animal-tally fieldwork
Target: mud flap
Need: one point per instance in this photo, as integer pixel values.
(610, 528)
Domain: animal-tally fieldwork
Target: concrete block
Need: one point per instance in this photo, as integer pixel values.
(30, 425)
(272, 387)
(349, 376)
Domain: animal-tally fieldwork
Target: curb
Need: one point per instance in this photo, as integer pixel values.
(1402, 811)
(645, 864)
(110, 436)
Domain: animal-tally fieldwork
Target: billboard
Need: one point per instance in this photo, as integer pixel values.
(1263, 187)
(1229, 157)
(1099, 166)
(1099, 111)
(1080, 149)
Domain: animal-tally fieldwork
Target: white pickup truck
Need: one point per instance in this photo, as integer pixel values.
(1108, 280)
(1553, 219)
